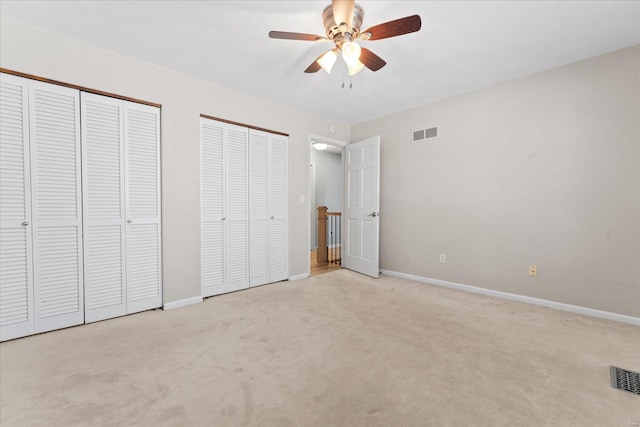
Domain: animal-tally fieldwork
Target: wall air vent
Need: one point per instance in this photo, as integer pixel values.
(424, 134)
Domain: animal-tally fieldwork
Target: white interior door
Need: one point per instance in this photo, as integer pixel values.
(56, 208)
(278, 208)
(104, 209)
(237, 212)
(361, 213)
(258, 207)
(142, 195)
(213, 206)
(16, 270)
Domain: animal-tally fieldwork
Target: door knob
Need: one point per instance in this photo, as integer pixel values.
(373, 214)
(24, 223)
(223, 218)
(271, 217)
(129, 221)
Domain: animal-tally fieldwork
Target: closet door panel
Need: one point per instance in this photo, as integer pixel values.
(16, 273)
(237, 212)
(103, 207)
(142, 178)
(212, 199)
(258, 207)
(54, 115)
(279, 205)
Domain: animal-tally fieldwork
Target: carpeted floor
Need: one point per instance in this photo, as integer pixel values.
(338, 349)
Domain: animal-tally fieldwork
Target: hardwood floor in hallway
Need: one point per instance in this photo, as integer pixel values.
(324, 267)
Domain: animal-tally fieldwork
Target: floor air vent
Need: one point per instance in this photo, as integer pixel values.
(625, 380)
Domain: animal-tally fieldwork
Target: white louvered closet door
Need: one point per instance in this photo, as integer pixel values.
(103, 207)
(278, 207)
(16, 273)
(237, 208)
(142, 178)
(212, 200)
(259, 207)
(54, 120)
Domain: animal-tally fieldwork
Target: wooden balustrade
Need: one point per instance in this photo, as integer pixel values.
(329, 236)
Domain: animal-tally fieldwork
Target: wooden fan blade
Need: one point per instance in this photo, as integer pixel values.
(313, 68)
(295, 36)
(398, 27)
(371, 60)
(343, 11)
(315, 65)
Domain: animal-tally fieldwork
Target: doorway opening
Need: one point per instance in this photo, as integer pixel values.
(325, 204)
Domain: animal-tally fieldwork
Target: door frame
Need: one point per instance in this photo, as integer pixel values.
(330, 141)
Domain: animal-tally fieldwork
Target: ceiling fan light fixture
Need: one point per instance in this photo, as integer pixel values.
(320, 146)
(351, 52)
(327, 60)
(342, 21)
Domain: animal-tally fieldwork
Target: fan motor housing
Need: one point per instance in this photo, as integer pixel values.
(334, 33)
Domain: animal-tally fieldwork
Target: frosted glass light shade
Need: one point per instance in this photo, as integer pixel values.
(320, 145)
(327, 60)
(351, 52)
(355, 67)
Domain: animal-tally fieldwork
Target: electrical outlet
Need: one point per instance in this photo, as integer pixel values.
(443, 258)
(533, 270)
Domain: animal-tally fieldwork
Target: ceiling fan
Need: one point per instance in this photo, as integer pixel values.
(342, 20)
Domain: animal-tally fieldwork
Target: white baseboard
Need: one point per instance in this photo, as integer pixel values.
(181, 303)
(520, 298)
(298, 277)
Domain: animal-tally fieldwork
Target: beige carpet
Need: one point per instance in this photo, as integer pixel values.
(338, 349)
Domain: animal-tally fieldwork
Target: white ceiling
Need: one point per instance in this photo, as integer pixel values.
(463, 45)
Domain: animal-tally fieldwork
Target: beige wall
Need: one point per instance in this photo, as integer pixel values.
(35, 51)
(542, 170)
